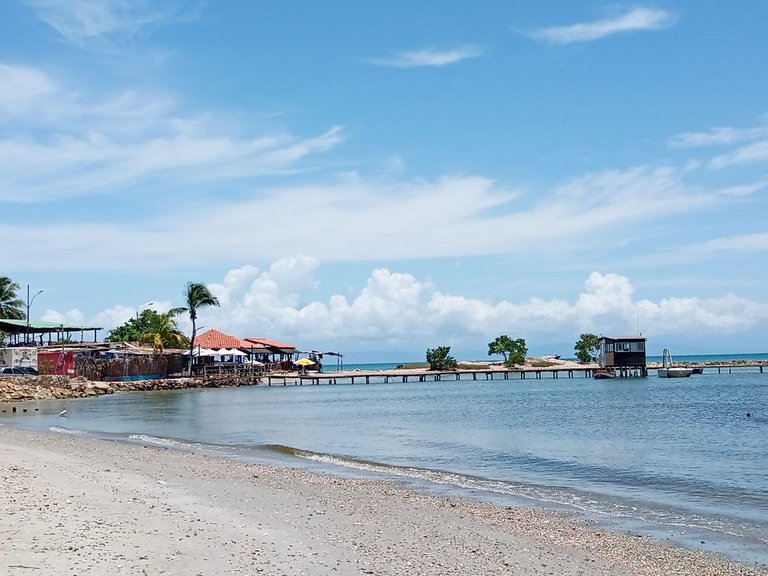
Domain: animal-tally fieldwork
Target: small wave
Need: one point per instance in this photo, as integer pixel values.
(556, 496)
(155, 441)
(74, 432)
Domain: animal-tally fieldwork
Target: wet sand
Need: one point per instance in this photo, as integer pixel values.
(73, 505)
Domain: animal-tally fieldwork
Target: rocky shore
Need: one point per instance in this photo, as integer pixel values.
(18, 389)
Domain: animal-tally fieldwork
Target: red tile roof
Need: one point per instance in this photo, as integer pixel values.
(215, 339)
(270, 343)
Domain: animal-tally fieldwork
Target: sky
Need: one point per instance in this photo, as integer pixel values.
(379, 178)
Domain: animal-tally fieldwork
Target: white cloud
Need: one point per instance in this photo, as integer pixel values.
(451, 216)
(633, 20)
(79, 146)
(716, 248)
(717, 137)
(429, 57)
(719, 316)
(757, 242)
(26, 92)
(79, 20)
(749, 154)
(396, 308)
(73, 317)
(744, 189)
(753, 144)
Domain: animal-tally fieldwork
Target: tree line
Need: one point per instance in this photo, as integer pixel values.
(514, 352)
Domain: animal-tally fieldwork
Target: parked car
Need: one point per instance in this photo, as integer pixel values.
(29, 371)
(8, 371)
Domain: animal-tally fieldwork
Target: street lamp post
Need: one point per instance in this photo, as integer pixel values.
(142, 309)
(29, 303)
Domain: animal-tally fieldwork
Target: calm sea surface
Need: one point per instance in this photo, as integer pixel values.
(679, 459)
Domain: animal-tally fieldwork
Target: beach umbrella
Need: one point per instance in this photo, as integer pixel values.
(304, 362)
(202, 352)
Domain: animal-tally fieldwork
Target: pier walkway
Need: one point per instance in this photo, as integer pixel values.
(387, 376)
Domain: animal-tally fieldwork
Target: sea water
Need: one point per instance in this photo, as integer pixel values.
(680, 459)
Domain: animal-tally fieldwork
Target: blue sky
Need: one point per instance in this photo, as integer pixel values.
(380, 178)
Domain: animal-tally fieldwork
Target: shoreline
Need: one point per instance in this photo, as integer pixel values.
(75, 503)
(47, 387)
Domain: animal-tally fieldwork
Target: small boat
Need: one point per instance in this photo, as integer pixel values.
(603, 374)
(550, 357)
(667, 370)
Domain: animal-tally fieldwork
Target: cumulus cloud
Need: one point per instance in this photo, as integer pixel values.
(395, 307)
(429, 57)
(633, 20)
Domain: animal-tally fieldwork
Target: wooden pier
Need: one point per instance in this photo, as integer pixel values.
(385, 377)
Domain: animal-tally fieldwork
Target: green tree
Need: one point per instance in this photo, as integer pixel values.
(11, 306)
(513, 351)
(164, 333)
(196, 296)
(440, 359)
(133, 330)
(150, 327)
(587, 347)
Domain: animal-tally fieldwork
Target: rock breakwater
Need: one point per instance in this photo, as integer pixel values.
(17, 389)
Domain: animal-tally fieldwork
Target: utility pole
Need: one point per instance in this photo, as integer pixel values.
(29, 303)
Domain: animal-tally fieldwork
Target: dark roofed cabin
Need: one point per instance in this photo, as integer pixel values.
(625, 355)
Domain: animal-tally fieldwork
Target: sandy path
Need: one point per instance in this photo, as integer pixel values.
(69, 505)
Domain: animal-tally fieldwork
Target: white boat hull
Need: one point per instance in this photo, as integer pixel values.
(675, 372)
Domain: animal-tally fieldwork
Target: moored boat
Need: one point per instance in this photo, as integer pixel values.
(667, 370)
(603, 374)
(675, 372)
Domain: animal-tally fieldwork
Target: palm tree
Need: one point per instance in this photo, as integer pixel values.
(197, 296)
(10, 305)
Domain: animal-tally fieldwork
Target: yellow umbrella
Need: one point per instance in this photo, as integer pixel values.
(305, 362)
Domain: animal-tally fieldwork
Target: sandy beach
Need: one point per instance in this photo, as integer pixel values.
(72, 505)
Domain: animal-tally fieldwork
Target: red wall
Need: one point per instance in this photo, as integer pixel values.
(62, 361)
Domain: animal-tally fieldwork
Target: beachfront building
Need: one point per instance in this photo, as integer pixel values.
(270, 354)
(39, 333)
(281, 354)
(624, 355)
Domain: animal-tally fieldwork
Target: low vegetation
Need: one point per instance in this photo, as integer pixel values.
(412, 366)
(473, 366)
(542, 364)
